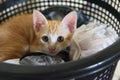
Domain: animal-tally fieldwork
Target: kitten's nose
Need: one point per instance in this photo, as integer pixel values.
(52, 49)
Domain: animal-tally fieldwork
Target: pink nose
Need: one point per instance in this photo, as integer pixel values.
(51, 49)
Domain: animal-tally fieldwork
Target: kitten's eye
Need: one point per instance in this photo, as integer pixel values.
(60, 39)
(45, 38)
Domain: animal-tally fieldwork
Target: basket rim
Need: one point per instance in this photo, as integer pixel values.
(84, 66)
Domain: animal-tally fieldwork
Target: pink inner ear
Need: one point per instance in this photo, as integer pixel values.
(70, 21)
(71, 25)
(39, 20)
(37, 27)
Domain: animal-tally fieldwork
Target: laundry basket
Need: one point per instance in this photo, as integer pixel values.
(100, 66)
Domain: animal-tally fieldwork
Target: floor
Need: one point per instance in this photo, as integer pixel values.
(117, 72)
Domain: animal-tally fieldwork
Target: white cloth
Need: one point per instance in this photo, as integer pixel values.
(12, 61)
(91, 38)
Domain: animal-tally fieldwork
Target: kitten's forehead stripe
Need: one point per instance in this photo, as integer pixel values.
(53, 26)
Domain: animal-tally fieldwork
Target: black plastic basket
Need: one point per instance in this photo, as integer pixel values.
(100, 66)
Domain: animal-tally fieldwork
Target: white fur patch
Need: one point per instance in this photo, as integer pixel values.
(53, 38)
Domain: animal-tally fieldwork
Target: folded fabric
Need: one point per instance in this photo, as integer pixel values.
(41, 60)
(91, 38)
(36, 60)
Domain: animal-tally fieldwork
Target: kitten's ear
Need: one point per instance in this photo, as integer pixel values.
(70, 21)
(39, 20)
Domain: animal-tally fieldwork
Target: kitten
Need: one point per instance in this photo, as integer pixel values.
(35, 33)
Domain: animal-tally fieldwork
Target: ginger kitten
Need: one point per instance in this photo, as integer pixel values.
(35, 33)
